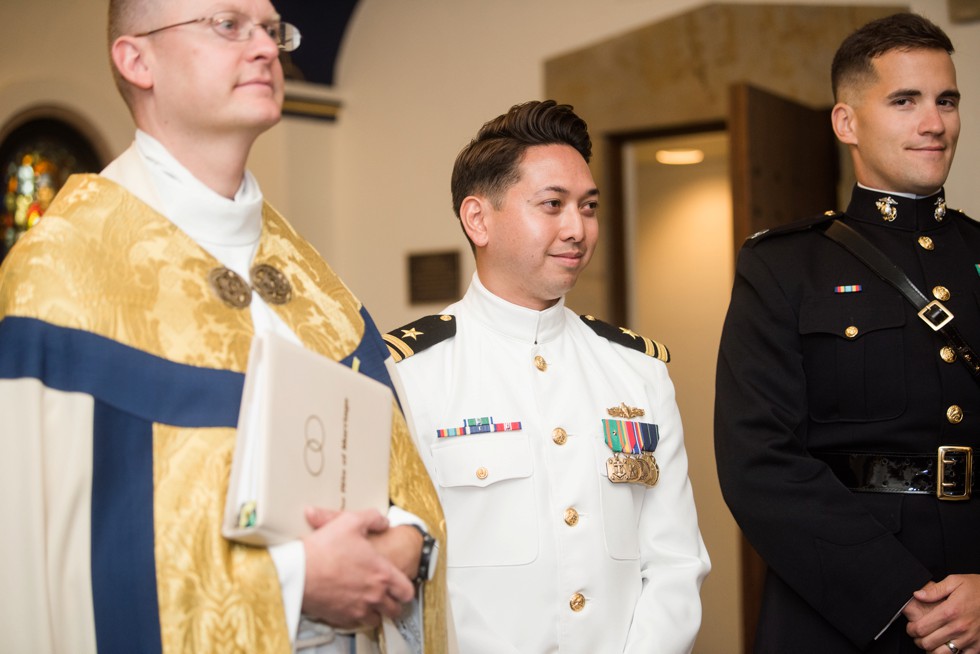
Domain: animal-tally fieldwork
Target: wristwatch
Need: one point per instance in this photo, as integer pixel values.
(426, 558)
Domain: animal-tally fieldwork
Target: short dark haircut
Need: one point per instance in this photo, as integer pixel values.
(853, 63)
(490, 164)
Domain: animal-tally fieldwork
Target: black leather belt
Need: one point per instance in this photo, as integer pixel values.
(951, 466)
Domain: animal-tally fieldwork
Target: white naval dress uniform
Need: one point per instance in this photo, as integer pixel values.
(545, 554)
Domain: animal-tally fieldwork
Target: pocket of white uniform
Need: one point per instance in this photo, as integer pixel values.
(487, 495)
(621, 504)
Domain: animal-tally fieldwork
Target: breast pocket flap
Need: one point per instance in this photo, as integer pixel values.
(851, 317)
(481, 460)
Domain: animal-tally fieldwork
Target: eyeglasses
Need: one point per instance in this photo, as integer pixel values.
(236, 26)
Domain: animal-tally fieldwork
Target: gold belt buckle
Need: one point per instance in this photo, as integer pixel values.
(947, 315)
(942, 486)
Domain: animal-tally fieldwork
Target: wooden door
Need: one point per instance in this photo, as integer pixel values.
(783, 160)
(784, 167)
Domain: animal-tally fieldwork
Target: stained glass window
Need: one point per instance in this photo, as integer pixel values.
(35, 161)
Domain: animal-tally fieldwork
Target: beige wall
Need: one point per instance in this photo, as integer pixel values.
(416, 78)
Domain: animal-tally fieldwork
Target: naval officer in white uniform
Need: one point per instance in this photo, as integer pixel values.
(554, 440)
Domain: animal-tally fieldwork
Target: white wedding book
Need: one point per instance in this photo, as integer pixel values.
(311, 432)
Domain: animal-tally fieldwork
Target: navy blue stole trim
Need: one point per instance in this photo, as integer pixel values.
(123, 377)
(132, 391)
(371, 353)
(124, 589)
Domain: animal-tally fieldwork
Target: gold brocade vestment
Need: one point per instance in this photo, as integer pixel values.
(103, 263)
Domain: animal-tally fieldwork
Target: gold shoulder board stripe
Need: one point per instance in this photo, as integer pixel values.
(399, 349)
(628, 338)
(417, 336)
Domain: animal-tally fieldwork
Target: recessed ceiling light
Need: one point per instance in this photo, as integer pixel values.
(680, 156)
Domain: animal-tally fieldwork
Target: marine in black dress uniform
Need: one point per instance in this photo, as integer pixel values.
(845, 425)
(821, 357)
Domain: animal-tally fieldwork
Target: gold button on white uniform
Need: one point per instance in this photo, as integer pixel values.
(941, 293)
(947, 354)
(851, 331)
(559, 436)
(577, 602)
(954, 414)
(571, 517)
(540, 363)
(482, 473)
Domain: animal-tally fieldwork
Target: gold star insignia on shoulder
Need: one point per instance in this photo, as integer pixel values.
(627, 338)
(424, 333)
